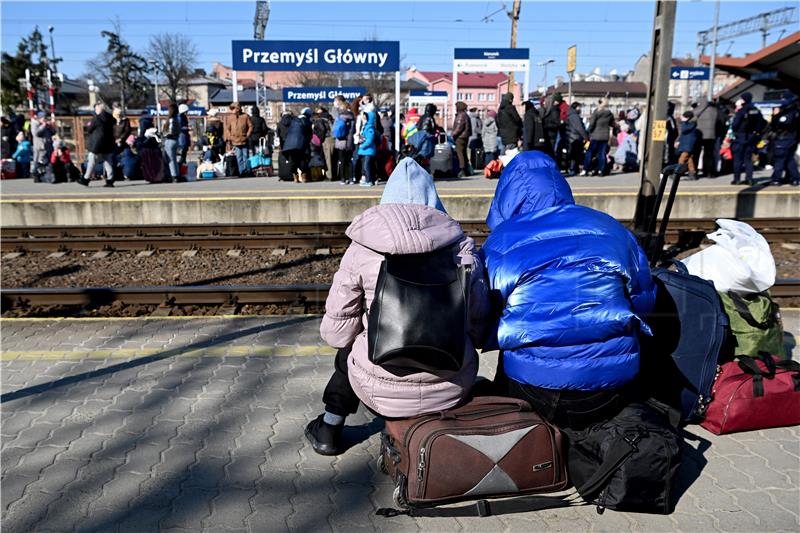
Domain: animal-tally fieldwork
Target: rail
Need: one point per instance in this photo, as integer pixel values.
(265, 236)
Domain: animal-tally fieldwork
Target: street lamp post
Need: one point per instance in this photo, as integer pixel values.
(544, 64)
(154, 64)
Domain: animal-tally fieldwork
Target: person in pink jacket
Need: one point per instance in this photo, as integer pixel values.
(409, 220)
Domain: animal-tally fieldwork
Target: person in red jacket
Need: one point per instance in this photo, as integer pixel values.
(61, 160)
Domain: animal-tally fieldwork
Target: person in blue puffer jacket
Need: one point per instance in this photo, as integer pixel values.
(574, 285)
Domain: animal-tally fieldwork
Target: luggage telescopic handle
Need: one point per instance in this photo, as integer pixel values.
(675, 172)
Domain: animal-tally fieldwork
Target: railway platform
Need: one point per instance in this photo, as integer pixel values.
(259, 200)
(196, 424)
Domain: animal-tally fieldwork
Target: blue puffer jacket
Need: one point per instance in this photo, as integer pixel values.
(574, 281)
(368, 145)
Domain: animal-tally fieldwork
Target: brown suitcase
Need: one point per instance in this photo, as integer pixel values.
(492, 447)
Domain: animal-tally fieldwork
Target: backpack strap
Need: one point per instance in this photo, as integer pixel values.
(741, 308)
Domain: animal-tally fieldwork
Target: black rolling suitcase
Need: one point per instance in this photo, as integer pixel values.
(284, 167)
(691, 334)
(231, 165)
(480, 157)
(442, 161)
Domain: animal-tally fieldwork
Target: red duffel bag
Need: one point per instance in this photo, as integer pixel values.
(754, 393)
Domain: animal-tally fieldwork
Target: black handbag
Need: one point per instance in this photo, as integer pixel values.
(418, 316)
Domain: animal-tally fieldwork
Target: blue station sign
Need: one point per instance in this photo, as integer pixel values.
(491, 53)
(689, 73)
(321, 94)
(324, 56)
(419, 93)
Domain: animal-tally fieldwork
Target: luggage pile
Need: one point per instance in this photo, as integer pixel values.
(715, 358)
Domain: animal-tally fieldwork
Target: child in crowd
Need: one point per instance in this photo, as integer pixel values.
(687, 142)
(23, 156)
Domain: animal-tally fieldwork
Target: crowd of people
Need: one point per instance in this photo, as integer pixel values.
(353, 142)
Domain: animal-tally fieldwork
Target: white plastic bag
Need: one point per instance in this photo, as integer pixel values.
(740, 261)
(508, 156)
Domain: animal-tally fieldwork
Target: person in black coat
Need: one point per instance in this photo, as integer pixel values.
(509, 123)
(260, 130)
(100, 145)
(672, 134)
(534, 132)
(748, 125)
(428, 121)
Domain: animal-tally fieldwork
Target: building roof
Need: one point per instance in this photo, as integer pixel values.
(468, 79)
(247, 96)
(600, 88)
(777, 66)
(207, 80)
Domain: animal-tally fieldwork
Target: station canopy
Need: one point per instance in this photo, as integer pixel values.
(777, 66)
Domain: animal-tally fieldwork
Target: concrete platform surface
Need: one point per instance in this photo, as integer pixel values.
(197, 425)
(243, 200)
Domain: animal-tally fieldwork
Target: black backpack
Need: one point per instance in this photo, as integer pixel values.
(418, 317)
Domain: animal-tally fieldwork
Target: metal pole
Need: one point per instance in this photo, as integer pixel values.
(50, 91)
(713, 54)
(514, 14)
(158, 105)
(397, 112)
(29, 89)
(235, 87)
(454, 95)
(657, 95)
(569, 89)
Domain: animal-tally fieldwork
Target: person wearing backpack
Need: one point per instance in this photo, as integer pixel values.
(574, 285)
(747, 126)
(410, 219)
(343, 145)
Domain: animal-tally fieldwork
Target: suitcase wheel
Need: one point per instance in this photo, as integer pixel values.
(398, 497)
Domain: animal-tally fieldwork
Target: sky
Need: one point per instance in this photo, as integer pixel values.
(609, 35)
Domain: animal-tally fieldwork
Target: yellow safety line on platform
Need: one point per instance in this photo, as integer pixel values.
(350, 197)
(115, 318)
(136, 353)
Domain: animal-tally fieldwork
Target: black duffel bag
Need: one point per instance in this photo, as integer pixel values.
(628, 463)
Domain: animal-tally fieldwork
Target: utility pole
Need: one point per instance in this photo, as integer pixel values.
(259, 26)
(514, 16)
(657, 94)
(713, 54)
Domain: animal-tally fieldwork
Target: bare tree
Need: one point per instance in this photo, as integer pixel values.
(122, 68)
(175, 56)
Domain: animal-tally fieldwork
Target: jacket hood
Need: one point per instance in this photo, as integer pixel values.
(747, 97)
(531, 182)
(431, 109)
(506, 99)
(404, 229)
(411, 184)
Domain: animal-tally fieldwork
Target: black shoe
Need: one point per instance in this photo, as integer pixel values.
(734, 182)
(83, 181)
(776, 183)
(324, 438)
(109, 184)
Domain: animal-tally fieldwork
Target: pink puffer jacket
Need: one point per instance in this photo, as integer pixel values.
(399, 229)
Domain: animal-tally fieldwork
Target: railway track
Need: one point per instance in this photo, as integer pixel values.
(230, 298)
(266, 236)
